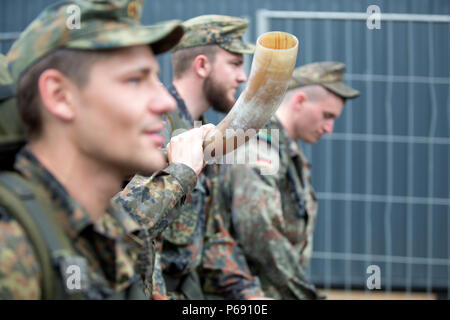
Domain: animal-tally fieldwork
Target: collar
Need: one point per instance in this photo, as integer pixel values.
(182, 109)
(292, 145)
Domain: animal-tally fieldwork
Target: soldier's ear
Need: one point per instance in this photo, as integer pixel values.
(56, 94)
(299, 99)
(202, 66)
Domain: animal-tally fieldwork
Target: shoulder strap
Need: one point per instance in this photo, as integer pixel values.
(293, 176)
(53, 248)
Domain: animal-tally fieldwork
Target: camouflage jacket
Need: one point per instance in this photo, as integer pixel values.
(198, 240)
(154, 202)
(110, 246)
(272, 215)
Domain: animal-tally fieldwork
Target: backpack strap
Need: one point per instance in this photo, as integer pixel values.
(25, 204)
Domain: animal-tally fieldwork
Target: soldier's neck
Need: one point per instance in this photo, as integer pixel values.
(284, 119)
(89, 182)
(191, 91)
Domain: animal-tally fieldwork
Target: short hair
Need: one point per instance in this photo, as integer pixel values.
(314, 92)
(74, 64)
(183, 58)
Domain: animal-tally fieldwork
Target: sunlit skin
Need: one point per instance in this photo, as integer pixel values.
(211, 82)
(226, 75)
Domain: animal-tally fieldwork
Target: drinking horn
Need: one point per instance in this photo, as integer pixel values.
(273, 62)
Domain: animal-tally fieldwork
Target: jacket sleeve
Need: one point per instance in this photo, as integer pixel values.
(153, 201)
(257, 215)
(19, 267)
(224, 269)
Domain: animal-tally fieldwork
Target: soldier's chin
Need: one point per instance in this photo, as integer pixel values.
(156, 162)
(313, 140)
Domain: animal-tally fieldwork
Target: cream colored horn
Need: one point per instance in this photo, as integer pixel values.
(273, 62)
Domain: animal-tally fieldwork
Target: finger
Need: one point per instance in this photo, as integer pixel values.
(197, 134)
(206, 129)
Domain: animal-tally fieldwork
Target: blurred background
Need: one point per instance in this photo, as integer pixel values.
(382, 177)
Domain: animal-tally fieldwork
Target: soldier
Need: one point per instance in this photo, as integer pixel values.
(273, 215)
(208, 68)
(92, 105)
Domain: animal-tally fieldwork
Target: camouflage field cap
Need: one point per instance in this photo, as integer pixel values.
(12, 132)
(224, 31)
(103, 24)
(328, 74)
(7, 89)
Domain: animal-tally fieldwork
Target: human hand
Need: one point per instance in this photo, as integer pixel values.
(187, 148)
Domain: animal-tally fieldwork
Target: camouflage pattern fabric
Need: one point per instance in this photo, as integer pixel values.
(108, 24)
(198, 240)
(224, 270)
(154, 203)
(12, 131)
(11, 127)
(224, 31)
(264, 214)
(112, 256)
(5, 79)
(110, 245)
(329, 74)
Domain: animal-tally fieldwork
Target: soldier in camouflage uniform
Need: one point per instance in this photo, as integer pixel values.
(207, 71)
(92, 106)
(272, 216)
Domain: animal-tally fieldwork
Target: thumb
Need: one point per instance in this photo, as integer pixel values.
(206, 129)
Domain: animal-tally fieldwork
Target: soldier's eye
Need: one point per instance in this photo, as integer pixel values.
(236, 63)
(328, 115)
(134, 80)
